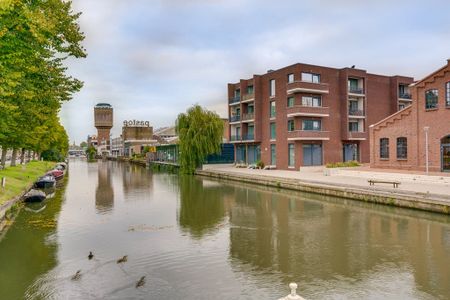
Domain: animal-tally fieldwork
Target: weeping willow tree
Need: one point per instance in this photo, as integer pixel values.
(200, 133)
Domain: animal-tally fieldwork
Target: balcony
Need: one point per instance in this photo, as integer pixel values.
(248, 98)
(248, 137)
(356, 91)
(356, 113)
(236, 118)
(307, 87)
(308, 135)
(356, 135)
(308, 111)
(405, 96)
(235, 138)
(248, 117)
(234, 100)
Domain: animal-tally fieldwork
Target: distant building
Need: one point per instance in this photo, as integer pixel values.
(92, 141)
(136, 135)
(117, 146)
(166, 135)
(103, 119)
(400, 140)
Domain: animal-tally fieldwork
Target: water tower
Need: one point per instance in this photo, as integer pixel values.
(103, 119)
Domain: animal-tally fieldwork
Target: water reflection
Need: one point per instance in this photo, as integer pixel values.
(135, 179)
(104, 194)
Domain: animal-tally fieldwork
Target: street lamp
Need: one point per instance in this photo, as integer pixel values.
(426, 128)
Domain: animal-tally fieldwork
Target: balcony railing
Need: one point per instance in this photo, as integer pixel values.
(355, 90)
(313, 111)
(235, 118)
(248, 97)
(356, 112)
(404, 95)
(308, 135)
(235, 99)
(248, 116)
(248, 137)
(307, 87)
(234, 138)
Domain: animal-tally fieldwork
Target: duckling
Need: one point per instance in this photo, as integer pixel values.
(90, 256)
(123, 259)
(141, 282)
(77, 275)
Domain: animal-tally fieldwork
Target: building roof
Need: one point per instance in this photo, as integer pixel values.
(106, 105)
(165, 131)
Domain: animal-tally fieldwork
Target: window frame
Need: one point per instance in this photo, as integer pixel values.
(291, 155)
(289, 77)
(273, 154)
(293, 101)
(291, 125)
(305, 77)
(402, 148)
(384, 151)
(314, 128)
(273, 130)
(313, 99)
(272, 112)
(447, 94)
(272, 87)
(435, 103)
(250, 89)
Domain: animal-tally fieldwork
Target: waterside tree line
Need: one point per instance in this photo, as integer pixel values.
(36, 38)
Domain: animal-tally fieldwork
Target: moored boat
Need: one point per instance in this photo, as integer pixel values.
(44, 182)
(34, 196)
(58, 174)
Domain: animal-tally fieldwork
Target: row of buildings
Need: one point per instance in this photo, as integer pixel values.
(306, 115)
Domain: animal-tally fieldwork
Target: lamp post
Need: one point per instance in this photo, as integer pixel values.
(426, 128)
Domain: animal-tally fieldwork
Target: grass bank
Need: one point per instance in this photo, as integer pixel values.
(20, 177)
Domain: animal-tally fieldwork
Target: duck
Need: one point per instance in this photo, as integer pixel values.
(123, 259)
(141, 282)
(90, 256)
(77, 275)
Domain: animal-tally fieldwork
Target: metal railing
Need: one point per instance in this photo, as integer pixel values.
(235, 118)
(404, 95)
(234, 138)
(355, 90)
(235, 99)
(248, 137)
(248, 116)
(248, 97)
(355, 112)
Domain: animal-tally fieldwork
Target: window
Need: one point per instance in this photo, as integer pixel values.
(273, 132)
(291, 125)
(384, 148)
(250, 132)
(310, 77)
(353, 85)
(250, 89)
(353, 126)
(290, 78)
(314, 101)
(237, 93)
(250, 109)
(238, 133)
(273, 155)
(431, 99)
(401, 106)
(272, 109)
(311, 125)
(291, 155)
(272, 88)
(290, 101)
(447, 94)
(402, 148)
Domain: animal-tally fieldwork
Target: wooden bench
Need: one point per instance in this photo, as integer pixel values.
(394, 183)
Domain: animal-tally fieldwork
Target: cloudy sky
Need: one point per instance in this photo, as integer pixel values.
(151, 59)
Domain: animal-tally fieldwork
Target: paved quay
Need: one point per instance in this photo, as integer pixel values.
(417, 190)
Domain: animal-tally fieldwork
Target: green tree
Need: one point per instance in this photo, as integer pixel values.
(200, 133)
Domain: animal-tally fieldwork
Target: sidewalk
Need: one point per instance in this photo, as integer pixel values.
(411, 183)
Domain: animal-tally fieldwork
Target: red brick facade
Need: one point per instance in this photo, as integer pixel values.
(340, 96)
(411, 123)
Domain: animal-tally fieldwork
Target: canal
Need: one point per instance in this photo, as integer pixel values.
(196, 238)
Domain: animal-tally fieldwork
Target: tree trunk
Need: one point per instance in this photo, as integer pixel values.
(13, 157)
(28, 155)
(3, 162)
(22, 156)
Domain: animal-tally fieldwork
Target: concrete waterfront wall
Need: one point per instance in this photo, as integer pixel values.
(421, 201)
(7, 209)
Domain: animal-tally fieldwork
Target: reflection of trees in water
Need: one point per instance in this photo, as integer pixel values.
(136, 178)
(104, 194)
(201, 207)
(27, 251)
(279, 232)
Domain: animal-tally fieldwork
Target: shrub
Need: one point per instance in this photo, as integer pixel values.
(260, 164)
(352, 163)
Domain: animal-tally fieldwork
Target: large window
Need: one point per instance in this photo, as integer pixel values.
(384, 148)
(237, 93)
(353, 86)
(272, 87)
(273, 131)
(402, 148)
(291, 155)
(290, 125)
(272, 109)
(273, 155)
(290, 101)
(311, 125)
(250, 132)
(431, 99)
(314, 101)
(311, 77)
(353, 127)
(447, 94)
(290, 78)
(250, 89)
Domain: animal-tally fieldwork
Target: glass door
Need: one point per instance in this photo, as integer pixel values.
(446, 157)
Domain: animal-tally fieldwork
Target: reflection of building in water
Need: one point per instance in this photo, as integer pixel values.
(136, 178)
(323, 240)
(104, 195)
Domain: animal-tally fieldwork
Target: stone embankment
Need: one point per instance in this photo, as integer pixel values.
(439, 203)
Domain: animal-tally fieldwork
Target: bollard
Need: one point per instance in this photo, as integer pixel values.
(293, 295)
(3, 182)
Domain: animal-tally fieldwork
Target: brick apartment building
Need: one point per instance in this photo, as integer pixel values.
(304, 115)
(400, 140)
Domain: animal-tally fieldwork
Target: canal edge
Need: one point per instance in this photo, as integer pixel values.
(424, 202)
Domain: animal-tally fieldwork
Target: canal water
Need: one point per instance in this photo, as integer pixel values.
(197, 238)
